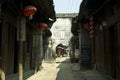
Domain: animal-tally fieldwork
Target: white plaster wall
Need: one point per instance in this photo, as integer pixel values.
(61, 31)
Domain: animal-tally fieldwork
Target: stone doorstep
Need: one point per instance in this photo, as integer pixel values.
(92, 75)
(25, 75)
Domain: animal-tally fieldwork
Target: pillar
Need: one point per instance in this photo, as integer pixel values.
(20, 38)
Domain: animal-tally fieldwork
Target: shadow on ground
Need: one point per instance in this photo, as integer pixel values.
(68, 71)
(25, 75)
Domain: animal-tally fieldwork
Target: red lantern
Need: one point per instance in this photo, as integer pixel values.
(91, 23)
(91, 18)
(43, 26)
(91, 31)
(29, 11)
(91, 27)
(92, 36)
(87, 26)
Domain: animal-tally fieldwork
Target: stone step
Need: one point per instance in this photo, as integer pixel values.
(92, 75)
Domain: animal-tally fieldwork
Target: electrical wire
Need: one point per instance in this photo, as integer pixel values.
(100, 7)
(69, 6)
(72, 5)
(13, 4)
(77, 5)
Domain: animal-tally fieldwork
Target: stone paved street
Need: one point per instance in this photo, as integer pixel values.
(62, 69)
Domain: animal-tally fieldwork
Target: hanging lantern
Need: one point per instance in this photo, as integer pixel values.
(43, 26)
(91, 31)
(91, 23)
(29, 11)
(91, 27)
(87, 26)
(91, 18)
(92, 36)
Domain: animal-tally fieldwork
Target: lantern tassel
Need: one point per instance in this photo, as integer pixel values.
(30, 17)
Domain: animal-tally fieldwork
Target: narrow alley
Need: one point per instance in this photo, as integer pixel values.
(62, 69)
(59, 39)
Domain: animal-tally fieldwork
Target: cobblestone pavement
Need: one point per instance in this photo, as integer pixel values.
(62, 69)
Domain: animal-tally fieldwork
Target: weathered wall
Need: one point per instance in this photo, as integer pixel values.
(107, 41)
(85, 48)
(61, 31)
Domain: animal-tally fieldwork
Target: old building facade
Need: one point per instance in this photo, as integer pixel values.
(20, 38)
(100, 21)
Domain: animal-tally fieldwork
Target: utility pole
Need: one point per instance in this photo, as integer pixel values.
(80, 32)
(2, 73)
(0, 8)
(21, 31)
(41, 47)
(20, 38)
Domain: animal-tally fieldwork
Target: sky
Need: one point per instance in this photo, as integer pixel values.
(67, 6)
